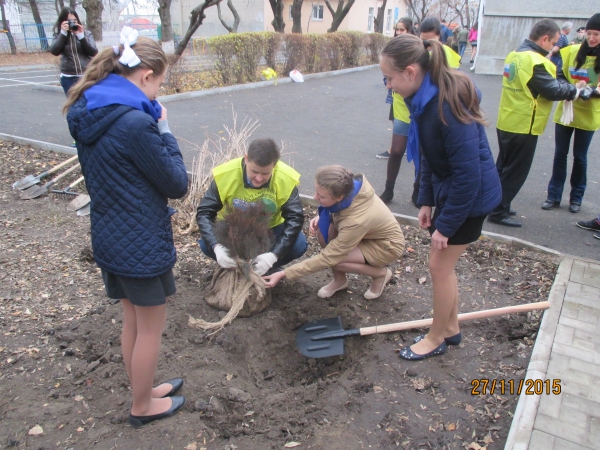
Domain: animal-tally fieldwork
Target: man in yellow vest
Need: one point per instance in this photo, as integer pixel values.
(259, 176)
(529, 86)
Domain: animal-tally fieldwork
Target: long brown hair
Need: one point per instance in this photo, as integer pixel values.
(106, 62)
(455, 88)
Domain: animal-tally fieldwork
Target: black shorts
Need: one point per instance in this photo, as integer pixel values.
(468, 232)
(140, 291)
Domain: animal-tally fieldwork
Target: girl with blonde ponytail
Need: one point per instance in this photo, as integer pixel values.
(357, 232)
(132, 166)
(458, 175)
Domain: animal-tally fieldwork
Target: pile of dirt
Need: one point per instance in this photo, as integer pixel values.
(248, 387)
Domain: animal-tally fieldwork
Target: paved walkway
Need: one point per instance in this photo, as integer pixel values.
(567, 349)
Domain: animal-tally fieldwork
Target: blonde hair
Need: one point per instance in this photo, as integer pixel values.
(106, 62)
(455, 88)
(337, 180)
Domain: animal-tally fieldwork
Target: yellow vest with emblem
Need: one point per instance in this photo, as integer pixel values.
(586, 113)
(400, 109)
(230, 182)
(519, 111)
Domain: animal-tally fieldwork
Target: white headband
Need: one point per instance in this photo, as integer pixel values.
(128, 38)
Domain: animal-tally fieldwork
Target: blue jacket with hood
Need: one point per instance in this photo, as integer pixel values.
(130, 170)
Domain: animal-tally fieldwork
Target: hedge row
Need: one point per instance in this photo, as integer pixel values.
(239, 55)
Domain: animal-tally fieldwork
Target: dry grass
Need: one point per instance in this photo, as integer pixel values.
(28, 59)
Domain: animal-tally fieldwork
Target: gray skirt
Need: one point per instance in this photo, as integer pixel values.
(140, 291)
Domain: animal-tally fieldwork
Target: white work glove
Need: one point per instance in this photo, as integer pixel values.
(223, 258)
(264, 262)
(567, 113)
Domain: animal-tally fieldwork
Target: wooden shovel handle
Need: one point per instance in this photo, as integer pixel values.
(64, 174)
(62, 164)
(76, 182)
(424, 323)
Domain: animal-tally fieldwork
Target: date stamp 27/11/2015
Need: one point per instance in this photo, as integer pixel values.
(483, 386)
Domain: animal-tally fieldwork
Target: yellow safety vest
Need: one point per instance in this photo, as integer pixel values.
(230, 182)
(586, 114)
(400, 109)
(519, 111)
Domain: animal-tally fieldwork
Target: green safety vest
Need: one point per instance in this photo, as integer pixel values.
(586, 114)
(230, 182)
(400, 109)
(519, 111)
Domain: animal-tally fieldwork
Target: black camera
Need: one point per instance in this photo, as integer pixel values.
(73, 26)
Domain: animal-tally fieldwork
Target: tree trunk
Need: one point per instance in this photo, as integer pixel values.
(93, 9)
(6, 27)
(236, 17)
(58, 5)
(73, 5)
(297, 16)
(339, 14)
(277, 8)
(196, 18)
(164, 12)
(40, 26)
(380, 18)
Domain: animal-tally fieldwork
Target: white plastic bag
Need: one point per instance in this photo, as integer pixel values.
(296, 76)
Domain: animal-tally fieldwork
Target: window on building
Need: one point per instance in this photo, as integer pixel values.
(388, 27)
(370, 23)
(317, 12)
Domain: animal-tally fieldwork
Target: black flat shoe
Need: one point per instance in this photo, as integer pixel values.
(550, 204)
(512, 212)
(505, 221)
(387, 196)
(407, 353)
(176, 383)
(452, 340)
(139, 421)
(574, 207)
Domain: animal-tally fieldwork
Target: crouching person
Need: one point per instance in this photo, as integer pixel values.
(259, 176)
(358, 233)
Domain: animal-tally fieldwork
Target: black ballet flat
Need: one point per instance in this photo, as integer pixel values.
(139, 421)
(177, 384)
(452, 340)
(407, 353)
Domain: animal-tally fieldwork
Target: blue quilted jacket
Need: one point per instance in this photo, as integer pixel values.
(130, 170)
(458, 174)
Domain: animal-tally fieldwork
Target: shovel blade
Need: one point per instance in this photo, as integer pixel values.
(33, 192)
(26, 182)
(78, 202)
(85, 211)
(324, 348)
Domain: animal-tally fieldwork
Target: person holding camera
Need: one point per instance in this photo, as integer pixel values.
(75, 46)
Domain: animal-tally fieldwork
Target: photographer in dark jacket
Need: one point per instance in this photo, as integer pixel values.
(75, 45)
(257, 177)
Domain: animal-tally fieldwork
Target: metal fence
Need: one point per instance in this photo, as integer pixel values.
(28, 37)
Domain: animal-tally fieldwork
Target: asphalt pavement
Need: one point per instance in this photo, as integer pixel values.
(339, 119)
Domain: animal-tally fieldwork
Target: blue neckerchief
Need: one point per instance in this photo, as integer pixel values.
(117, 90)
(325, 213)
(416, 106)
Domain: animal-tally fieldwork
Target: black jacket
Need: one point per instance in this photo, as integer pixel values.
(76, 53)
(291, 211)
(542, 83)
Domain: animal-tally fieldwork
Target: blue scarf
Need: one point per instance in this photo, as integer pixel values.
(325, 212)
(417, 105)
(117, 90)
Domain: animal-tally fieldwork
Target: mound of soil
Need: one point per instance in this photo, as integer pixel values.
(247, 387)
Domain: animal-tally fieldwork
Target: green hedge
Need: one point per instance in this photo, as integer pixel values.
(239, 55)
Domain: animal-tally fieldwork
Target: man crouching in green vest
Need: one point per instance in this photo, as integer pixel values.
(257, 177)
(529, 86)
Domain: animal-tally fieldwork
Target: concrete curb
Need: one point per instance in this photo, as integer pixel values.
(48, 88)
(521, 428)
(39, 144)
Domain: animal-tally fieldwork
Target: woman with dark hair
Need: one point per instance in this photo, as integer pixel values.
(578, 118)
(448, 140)
(74, 44)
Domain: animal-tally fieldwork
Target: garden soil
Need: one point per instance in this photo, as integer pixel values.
(64, 386)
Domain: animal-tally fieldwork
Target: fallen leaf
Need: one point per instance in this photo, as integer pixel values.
(192, 446)
(488, 439)
(229, 377)
(78, 398)
(422, 280)
(292, 444)
(36, 431)
(450, 426)
(377, 389)
(474, 446)
(80, 429)
(469, 409)
(249, 413)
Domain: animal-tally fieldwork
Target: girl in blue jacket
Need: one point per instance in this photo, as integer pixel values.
(458, 174)
(132, 166)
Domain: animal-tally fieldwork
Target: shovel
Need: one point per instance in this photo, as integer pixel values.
(37, 191)
(30, 180)
(323, 338)
(85, 211)
(78, 202)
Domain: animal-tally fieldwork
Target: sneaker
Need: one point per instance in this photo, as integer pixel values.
(597, 236)
(589, 224)
(74, 144)
(384, 155)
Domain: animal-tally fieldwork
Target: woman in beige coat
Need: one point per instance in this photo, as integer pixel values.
(357, 231)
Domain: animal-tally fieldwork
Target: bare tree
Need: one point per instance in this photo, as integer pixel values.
(420, 8)
(93, 9)
(6, 28)
(380, 17)
(277, 8)
(39, 25)
(297, 16)
(196, 18)
(236, 17)
(166, 25)
(339, 14)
